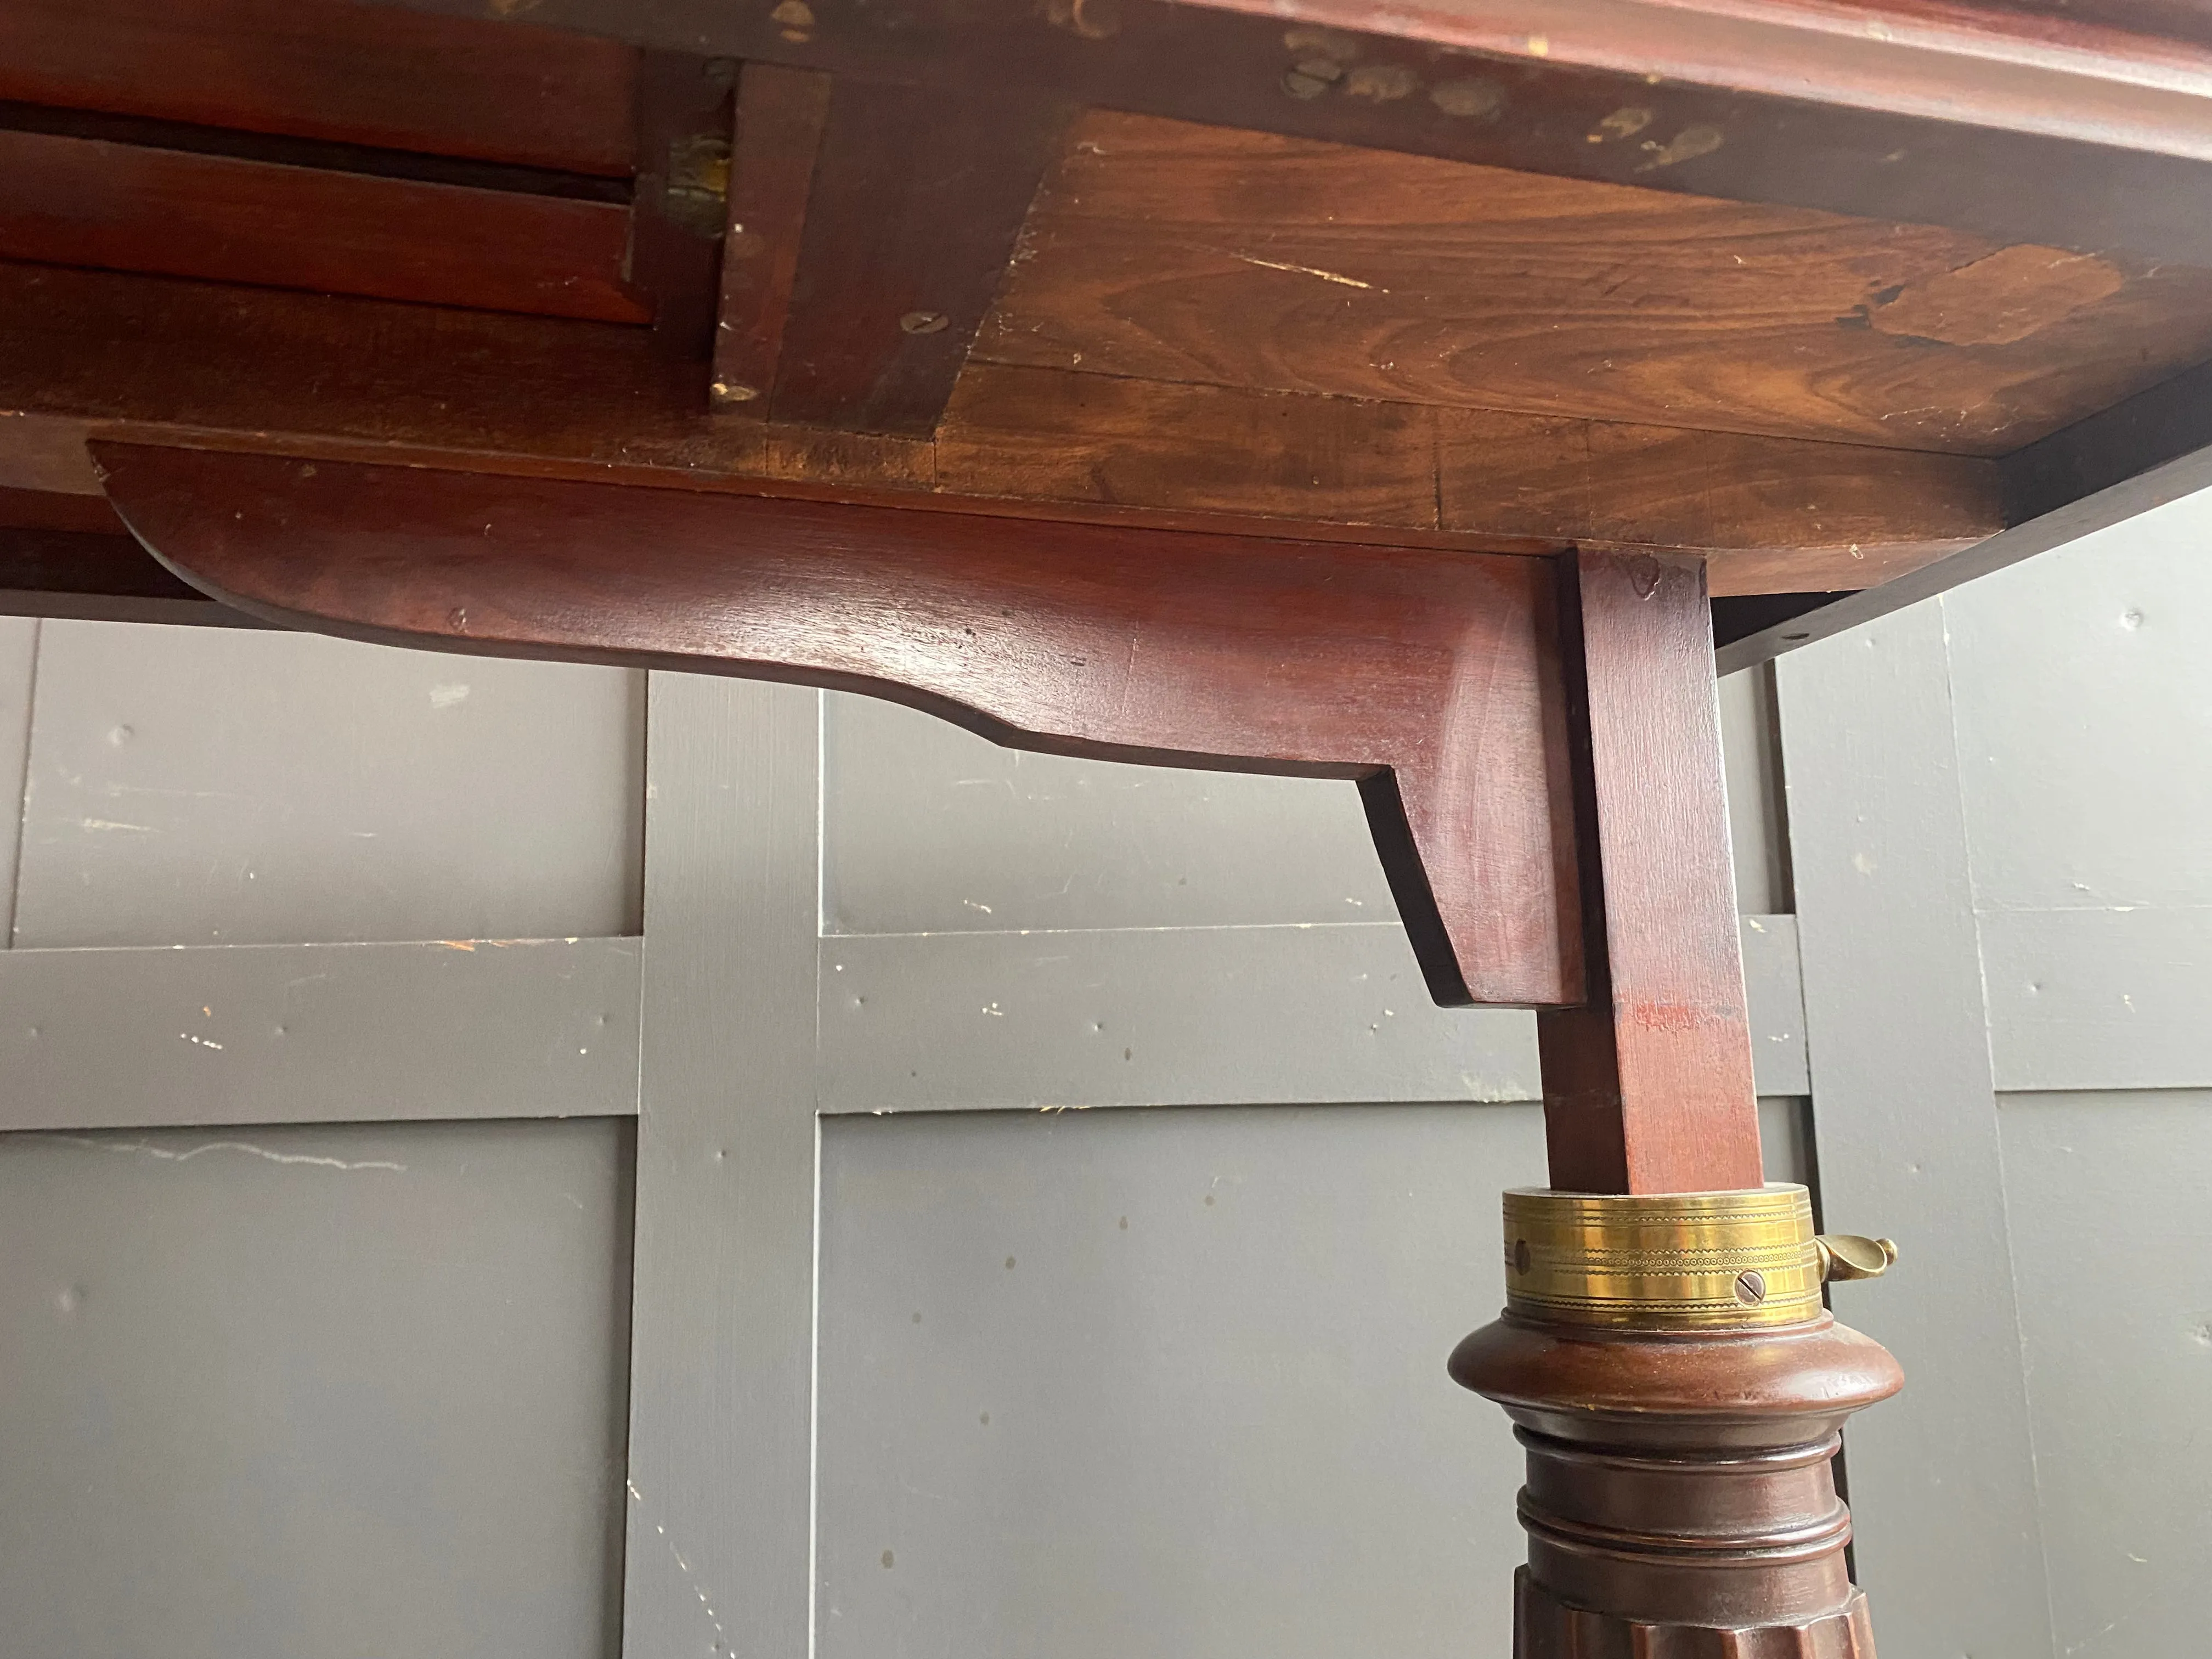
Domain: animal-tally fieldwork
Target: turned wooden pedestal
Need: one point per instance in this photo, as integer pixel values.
(1680, 1502)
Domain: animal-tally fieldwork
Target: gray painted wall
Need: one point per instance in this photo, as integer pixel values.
(890, 980)
(1998, 804)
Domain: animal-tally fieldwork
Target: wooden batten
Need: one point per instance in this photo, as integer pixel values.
(67, 200)
(329, 70)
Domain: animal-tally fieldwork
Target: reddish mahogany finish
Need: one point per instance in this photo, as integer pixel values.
(76, 201)
(332, 70)
(1680, 1502)
(1429, 677)
(781, 115)
(1648, 1087)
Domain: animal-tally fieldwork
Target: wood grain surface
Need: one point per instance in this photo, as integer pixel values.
(73, 201)
(356, 378)
(1429, 676)
(1648, 1086)
(781, 115)
(911, 218)
(1169, 250)
(332, 70)
(1775, 100)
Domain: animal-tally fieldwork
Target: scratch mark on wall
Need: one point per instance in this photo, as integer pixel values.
(689, 1578)
(111, 824)
(167, 1156)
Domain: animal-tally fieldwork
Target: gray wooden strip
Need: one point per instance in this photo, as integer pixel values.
(2099, 998)
(319, 1033)
(2122, 502)
(1224, 1016)
(722, 1368)
(18, 651)
(1905, 1113)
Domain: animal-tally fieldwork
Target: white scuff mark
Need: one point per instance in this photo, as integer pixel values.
(972, 905)
(1335, 276)
(1754, 924)
(721, 1637)
(110, 824)
(446, 695)
(2076, 1647)
(202, 1041)
(1862, 864)
(246, 1146)
(994, 1010)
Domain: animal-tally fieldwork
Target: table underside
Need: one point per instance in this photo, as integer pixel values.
(1138, 262)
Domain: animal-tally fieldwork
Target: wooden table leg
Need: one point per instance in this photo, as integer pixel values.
(1664, 1352)
(1539, 748)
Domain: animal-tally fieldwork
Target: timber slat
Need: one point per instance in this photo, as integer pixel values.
(911, 220)
(125, 207)
(330, 70)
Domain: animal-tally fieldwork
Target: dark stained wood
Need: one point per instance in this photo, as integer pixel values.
(681, 208)
(480, 388)
(1169, 250)
(364, 379)
(320, 153)
(1680, 1499)
(1648, 1086)
(914, 214)
(92, 577)
(1766, 510)
(2162, 424)
(1740, 616)
(123, 207)
(781, 115)
(1042, 434)
(1854, 515)
(39, 509)
(1429, 677)
(330, 70)
(1789, 108)
(44, 452)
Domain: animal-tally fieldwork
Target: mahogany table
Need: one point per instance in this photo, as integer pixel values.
(1414, 395)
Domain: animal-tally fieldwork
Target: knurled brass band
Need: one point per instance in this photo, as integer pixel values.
(1679, 1261)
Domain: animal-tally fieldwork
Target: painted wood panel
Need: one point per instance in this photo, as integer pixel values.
(319, 1033)
(202, 786)
(327, 1390)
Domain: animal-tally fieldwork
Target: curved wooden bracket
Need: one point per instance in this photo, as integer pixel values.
(1432, 677)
